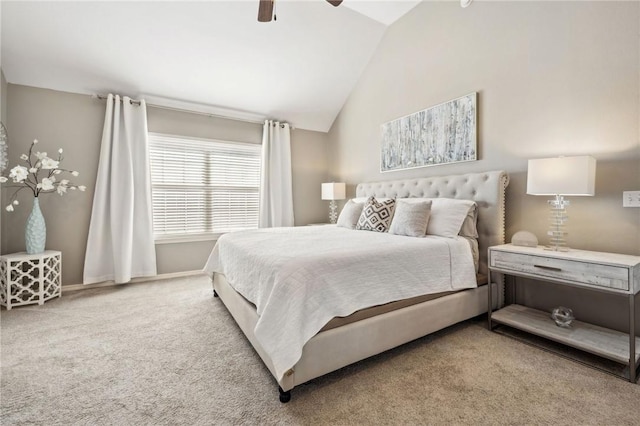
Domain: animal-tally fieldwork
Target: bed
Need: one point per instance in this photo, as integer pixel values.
(330, 344)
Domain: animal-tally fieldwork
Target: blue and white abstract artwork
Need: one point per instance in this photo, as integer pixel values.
(442, 134)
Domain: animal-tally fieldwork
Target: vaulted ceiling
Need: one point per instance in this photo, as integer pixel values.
(299, 68)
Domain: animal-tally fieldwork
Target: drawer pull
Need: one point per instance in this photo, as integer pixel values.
(549, 268)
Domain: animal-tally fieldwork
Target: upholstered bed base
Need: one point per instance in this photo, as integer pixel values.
(338, 347)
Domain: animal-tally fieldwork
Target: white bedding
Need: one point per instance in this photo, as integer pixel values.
(300, 278)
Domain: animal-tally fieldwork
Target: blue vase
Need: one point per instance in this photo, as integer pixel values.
(35, 234)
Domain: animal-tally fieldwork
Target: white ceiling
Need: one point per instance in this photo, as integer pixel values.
(299, 69)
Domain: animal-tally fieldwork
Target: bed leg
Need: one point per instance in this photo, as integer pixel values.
(284, 396)
(215, 294)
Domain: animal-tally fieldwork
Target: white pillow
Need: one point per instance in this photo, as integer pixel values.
(448, 215)
(350, 214)
(410, 218)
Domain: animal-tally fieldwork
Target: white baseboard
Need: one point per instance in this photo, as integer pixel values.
(76, 287)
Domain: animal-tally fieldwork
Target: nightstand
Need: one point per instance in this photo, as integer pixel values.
(26, 279)
(601, 272)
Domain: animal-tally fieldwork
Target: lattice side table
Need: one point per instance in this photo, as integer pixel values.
(26, 279)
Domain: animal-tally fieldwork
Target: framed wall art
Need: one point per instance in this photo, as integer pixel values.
(442, 134)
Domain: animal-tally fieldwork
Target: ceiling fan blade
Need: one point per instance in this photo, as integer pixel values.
(265, 10)
(335, 2)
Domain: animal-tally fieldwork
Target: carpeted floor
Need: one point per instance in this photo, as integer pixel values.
(168, 353)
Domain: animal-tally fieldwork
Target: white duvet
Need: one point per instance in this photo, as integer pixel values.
(300, 278)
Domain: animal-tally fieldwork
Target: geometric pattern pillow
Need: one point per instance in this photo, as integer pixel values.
(376, 215)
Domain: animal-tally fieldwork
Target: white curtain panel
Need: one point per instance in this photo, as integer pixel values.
(276, 194)
(120, 244)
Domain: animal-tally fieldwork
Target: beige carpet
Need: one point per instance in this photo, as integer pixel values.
(168, 353)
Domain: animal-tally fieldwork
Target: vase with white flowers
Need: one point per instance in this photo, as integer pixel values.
(41, 174)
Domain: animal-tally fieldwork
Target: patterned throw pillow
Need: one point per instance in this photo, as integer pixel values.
(376, 216)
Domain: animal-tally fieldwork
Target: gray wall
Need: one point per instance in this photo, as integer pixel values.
(553, 78)
(3, 97)
(74, 122)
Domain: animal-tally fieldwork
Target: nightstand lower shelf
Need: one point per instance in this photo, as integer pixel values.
(604, 342)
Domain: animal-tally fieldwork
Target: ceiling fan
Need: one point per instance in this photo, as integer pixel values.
(265, 9)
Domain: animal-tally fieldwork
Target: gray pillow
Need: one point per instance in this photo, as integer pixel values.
(469, 226)
(411, 219)
(349, 215)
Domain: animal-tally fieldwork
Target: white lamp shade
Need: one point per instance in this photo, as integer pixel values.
(562, 176)
(333, 191)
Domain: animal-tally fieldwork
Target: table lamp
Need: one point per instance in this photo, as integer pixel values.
(333, 191)
(560, 177)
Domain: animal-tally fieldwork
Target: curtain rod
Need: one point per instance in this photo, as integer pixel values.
(103, 97)
(208, 114)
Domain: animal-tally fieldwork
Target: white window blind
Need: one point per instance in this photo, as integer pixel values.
(203, 187)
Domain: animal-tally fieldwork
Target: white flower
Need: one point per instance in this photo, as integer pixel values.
(26, 176)
(49, 163)
(47, 184)
(19, 174)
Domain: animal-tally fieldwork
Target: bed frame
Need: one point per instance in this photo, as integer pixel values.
(333, 349)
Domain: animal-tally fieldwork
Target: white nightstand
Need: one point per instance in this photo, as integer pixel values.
(27, 279)
(604, 272)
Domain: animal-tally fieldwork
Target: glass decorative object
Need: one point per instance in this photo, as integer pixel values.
(562, 316)
(35, 234)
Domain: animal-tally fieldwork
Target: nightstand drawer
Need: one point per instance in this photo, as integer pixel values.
(562, 269)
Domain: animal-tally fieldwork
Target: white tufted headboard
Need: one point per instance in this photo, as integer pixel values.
(487, 189)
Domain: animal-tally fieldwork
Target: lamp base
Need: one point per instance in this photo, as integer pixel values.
(333, 213)
(558, 217)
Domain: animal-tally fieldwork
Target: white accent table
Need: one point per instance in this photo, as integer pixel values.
(27, 279)
(604, 272)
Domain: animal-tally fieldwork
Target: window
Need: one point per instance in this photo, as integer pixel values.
(201, 188)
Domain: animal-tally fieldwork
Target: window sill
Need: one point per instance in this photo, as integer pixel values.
(186, 239)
